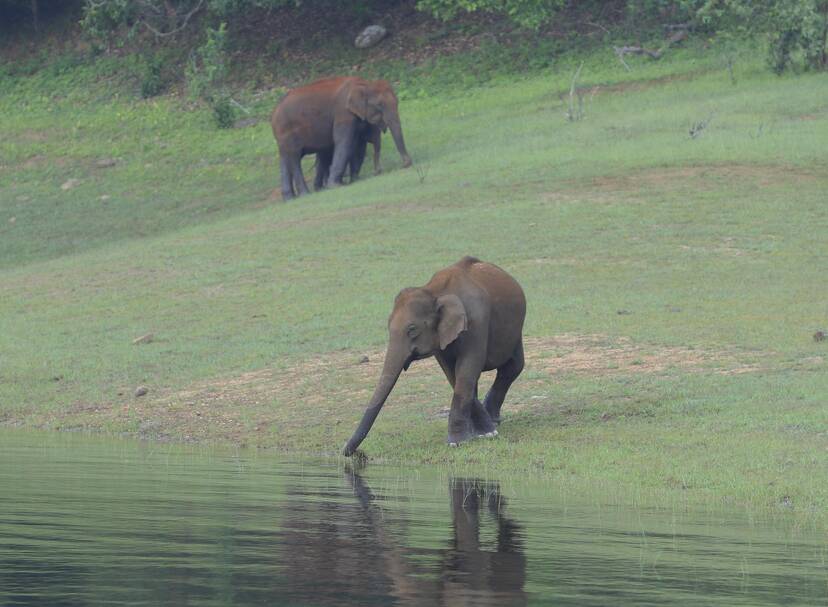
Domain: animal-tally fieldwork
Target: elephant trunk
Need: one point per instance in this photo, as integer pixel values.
(396, 132)
(391, 370)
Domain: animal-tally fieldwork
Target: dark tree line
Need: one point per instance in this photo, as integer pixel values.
(797, 29)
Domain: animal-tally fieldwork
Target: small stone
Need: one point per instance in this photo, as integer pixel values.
(819, 336)
(105, 163)
(363, 360)
(140, 391)
(69, 184)
(12, 220)
(23, 198)
(623, 312)
(144, 339)
(104, 197)
(370, 36)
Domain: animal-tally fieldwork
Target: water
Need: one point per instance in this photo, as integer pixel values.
(92, 522)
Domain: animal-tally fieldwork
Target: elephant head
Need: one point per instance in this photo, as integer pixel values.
(375, 102)
(420, 325)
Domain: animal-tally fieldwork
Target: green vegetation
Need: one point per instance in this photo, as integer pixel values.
(674, 281)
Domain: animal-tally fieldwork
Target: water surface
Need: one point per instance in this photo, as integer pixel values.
(94, 522)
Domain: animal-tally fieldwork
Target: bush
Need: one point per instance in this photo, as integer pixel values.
(528, 13)
(152, 82)
(223, 112)
(800, 35)
(207, 68)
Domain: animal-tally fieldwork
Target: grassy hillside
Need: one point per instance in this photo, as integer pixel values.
(674, 282)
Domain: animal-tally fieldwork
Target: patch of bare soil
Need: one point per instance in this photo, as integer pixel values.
(663, 178)
(600, 355)
(329, 390)
(613, 188)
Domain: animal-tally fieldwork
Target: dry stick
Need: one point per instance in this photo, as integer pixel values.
(571, 115)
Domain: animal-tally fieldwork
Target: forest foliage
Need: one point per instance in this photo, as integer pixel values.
(797, 30)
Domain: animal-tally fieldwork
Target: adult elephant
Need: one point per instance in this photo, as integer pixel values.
(325, 115)
(470, 318)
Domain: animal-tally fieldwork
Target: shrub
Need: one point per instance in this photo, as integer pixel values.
(152, 82)
(223, 112)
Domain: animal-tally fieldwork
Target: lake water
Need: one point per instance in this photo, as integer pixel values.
(100, 522)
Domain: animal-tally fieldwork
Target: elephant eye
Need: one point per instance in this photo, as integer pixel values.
(411, 330)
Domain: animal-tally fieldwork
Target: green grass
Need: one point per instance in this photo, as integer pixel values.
(619, 226)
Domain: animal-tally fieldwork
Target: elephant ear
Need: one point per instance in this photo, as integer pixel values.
(359, 106)
(452, 319)
(358, 101)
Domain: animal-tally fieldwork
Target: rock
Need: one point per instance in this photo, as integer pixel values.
(105, 163)
(623, 312)
(104, 197)
(69, 184)
(144, 339)
(12, 220)
(370, 36)
(140, 391)
(363, 360)
(245, 122)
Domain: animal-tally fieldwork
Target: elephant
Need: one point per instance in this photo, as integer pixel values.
(469, 316)
(365, 133)
(325, 116)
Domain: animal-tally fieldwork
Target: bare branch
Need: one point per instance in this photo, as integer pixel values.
(181, 25)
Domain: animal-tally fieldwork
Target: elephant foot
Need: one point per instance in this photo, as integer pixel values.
(466, 434)
(482, 421)
(493, 415)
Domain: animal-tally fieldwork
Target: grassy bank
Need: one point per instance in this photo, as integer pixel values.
(674, 282)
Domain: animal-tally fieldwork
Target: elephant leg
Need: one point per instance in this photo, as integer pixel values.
(447, 365)
(343, 149)
(460, 424)
(377, 142)
(298, 176)
(360, 147)
(323, 169)
(506, 374)
(287, 179)
(481, 422)
(467, 372)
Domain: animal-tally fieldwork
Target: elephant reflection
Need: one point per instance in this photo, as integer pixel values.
(353, 554)
(471, 572)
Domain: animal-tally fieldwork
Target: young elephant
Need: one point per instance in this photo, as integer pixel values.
(470, 318)
(365, 133)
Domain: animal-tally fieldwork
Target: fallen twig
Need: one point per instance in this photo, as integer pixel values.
(675, 37)
(697, 127)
